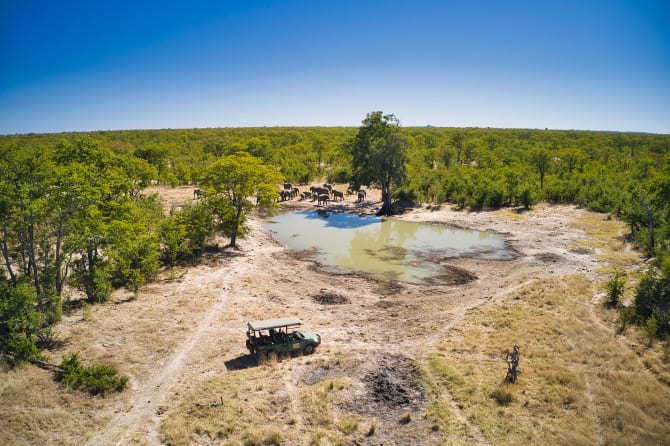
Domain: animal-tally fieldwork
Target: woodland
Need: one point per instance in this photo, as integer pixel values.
(73, 213)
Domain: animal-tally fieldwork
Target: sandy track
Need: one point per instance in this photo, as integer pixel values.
(150, 397)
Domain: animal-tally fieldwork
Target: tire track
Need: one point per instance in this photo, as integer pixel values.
(144, 411)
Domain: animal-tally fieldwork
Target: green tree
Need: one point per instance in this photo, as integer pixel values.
(652, 299)
(184, 233)
(541, 160)
(615, 289)
(231, 182)
(20, 322)
(379, 154)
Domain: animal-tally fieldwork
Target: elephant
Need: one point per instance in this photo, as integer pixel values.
(361, 195)
(323, 198)
(320, 190)
(284, 195)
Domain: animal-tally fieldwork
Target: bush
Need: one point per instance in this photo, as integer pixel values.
(173, 240)
(20, 322)
(339, 175)
(502, 396)
(627, 316)
(615, 288)
(652, 299)
(405, 194)
(93, 278)
(651, 328)
(95, 379)
(527, 198)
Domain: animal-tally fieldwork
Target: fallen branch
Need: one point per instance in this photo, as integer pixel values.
(512, 364)
(220, 403)
(38, 362)
(47, 365)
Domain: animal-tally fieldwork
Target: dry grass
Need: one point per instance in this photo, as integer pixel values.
(236, 421)
(51, 415)
(510, 214)
(261, 406)
(580, 383)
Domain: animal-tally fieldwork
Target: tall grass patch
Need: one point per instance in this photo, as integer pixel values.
(579, 383)
(237, 408)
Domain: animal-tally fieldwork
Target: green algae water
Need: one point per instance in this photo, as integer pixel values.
(384, 248)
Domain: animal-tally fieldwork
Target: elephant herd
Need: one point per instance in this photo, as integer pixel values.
(321, 194)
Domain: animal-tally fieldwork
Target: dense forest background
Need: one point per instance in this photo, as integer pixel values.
(72, 209)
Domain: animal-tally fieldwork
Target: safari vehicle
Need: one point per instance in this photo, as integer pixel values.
(274, 338)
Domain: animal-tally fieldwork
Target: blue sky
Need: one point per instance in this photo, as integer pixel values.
(87, 65)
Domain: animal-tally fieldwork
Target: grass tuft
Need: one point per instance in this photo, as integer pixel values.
(503, 396)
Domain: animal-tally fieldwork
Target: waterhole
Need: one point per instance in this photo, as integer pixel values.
(387, 249)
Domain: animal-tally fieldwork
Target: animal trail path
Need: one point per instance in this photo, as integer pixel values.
(143, 414)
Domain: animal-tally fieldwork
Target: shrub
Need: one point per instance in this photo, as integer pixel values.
(339, 175)
(651, 328)
(172, 233)
(502, 396)
(405, 194)
(20, 324)
(627, 316)
(652, 299)
(95, 379)
(615, 288)
(526, 197)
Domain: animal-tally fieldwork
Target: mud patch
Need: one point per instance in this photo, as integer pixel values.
(304, 255)
(389, 253)
(329, 298)
(385, 304)
(391, 388)
(452, 276)
(549, 257)
(388, 287)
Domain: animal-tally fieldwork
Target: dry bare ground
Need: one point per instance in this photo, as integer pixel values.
(399, 364)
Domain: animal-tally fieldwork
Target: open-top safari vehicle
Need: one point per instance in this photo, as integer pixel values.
(272, 339)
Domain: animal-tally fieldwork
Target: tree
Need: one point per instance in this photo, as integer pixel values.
(652, 299)
(379, 154)
(20, 322)
(230, 182)
(541, 160)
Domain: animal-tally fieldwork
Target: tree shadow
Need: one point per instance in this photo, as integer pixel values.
(241, 362)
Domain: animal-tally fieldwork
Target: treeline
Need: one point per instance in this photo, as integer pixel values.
(622, 173)
(72, 211)
(73, 218)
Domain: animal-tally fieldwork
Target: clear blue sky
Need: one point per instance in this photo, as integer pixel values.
(89, 65)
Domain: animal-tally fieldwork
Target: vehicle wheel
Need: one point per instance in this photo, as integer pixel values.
(308, 350)
(272, 357)
(261, 358)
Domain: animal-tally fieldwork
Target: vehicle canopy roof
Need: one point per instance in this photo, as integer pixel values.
(274, 323)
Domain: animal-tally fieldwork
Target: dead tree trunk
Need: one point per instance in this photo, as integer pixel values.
(512, 361)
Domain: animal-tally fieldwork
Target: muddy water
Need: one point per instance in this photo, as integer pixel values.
(385, 248)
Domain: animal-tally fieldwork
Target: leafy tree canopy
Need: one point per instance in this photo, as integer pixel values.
(379, 155)
(231, 183)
